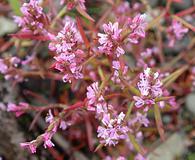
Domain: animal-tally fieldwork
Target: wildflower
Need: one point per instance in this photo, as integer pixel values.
(109, 42)
(67, 39)
(140, 119)
(113, 129)
(18, 109)
(49, 118)
(31, 146)
(119, 70)
(176, 32)
(15, 61)
(93, 93)
(33, 18)
(73, 3)
(139, 157)
(69, 57)
(137, 26)
(150, 88)
(47, 139)
(147, 58)
(3, 67)
(64, 124)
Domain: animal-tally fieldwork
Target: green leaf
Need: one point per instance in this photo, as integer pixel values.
(159, 122)
(15, 6)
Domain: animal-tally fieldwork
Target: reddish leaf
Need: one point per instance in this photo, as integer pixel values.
(29, 35)
(82, 32)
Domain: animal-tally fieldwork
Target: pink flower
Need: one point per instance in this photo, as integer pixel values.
(137, 25)
(47, 139)
(141, 119)
(139, 102)
(69, 57)
(15, 61)
(3, 67)
(176, 32)
(113, 129)
(64, 125)
(150, 87)
(18, 109)
(49, 118)
(109, 42)
(73, 3)
(31, 146)
(92, 93)
(139, 157)
(33, 18)
(67, 39)
(119, 71)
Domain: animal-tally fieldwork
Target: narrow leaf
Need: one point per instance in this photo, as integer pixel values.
(25, 35)
(159, 123)
(79, 24)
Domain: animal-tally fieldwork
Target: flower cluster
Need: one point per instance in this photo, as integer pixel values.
(74, 3)
(119, 71)
(137, 26)
(139, 119)
(69, 57)
(113, 129)
(3, 67)
(45, 138)
(33, 18)
(150, 87)
(19, 109)
(110, 41)
(176, 32)
(147, 58)
(8, 67)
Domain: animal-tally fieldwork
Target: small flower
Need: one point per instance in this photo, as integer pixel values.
(31, 146)
(18, 109)
(93, 92)
(67, 39)
(137, 26)
(47, 139)
(15, 61)
(3, 67)
(139, 157)
(33, 18)
(64, 125)
(49, 118)
(176, 32)
(109, 42)
(119, 71)
(150, 87)
(139, 102)
(113, 129)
